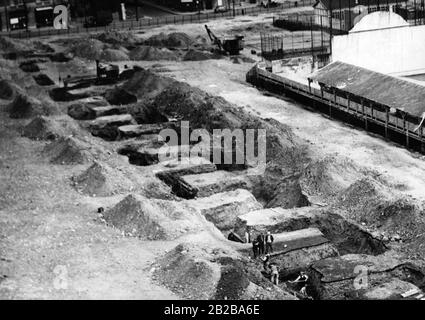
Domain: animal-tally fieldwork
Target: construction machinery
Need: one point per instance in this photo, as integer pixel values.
(105, 73)
(233, 46)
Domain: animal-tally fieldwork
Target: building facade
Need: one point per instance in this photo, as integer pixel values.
(346, 13)
(30, 14)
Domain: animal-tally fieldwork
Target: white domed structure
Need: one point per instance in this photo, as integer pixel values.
(379, 20)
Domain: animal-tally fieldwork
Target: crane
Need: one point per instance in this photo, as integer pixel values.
(232, 46)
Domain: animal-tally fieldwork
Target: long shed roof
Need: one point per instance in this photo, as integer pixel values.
(374, 86)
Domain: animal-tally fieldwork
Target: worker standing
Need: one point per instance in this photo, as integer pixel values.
(269, 242)
(266, 262)
(255, 248)
(274, 273)
(247, 236)
(261, 242)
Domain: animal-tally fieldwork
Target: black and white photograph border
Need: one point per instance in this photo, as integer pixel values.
(212, 150)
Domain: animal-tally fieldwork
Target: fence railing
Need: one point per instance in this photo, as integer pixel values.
(155, 22)
(365, 112)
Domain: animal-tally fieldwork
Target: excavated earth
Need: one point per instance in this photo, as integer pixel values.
(89, 187)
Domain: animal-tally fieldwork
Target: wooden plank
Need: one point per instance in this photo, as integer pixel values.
(410, 292)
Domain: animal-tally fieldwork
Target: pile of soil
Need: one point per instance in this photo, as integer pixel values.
(144, 113)
(29, 66)
(197, 55)
(204, 272)
(6, 90)
(172, 40)
(43, 80)
(371, 202)
(119, 96)
(117, 38)
(149, 53)
(114, 55)
(189, 271)
(101, 180)
(24, 106)
(327, 177)
(12, 45)
(69, 151)
(151, 219)
(286, 154)
(43, 128)
(41, 46)
(90, 49)
(81, 111)
(146, 85)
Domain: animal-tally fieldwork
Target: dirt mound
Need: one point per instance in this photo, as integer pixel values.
(149, 53)
(69, 151)
(119, 96)
(117, 38)
(43, 80)
(146, 84)
(6, 90)
(144, 113)
(204, 272)
(41, 46)
(11, 45)
(189, 271)
(114, 55)
(174, 39)
(81, 111)
(376, 205)
(285, 153)
(24, 106)
(43, 128)
(101, 180)
(154, 219)
(90, 49)
(197, 55)
(325, 178)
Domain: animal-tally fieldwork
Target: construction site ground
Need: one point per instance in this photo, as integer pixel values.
(55, 244)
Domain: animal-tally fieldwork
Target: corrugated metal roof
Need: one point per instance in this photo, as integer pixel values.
(383, 89)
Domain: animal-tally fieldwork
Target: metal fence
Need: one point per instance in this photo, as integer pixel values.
(159, 21)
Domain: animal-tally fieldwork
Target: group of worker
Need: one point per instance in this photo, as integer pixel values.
(262, 244)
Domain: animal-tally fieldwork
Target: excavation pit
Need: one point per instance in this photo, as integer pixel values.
(216, 182)
(338, 277)
(222, 209)
(347, 236)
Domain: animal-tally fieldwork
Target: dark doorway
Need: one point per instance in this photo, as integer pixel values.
(44, 17)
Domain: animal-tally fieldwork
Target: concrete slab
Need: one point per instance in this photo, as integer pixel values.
(148, 155)
(222, 209)
(185, 166)
(294, 240)
(112, 121)
(109, 110)
(216, 182)
(130, 131)
(275, 219)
